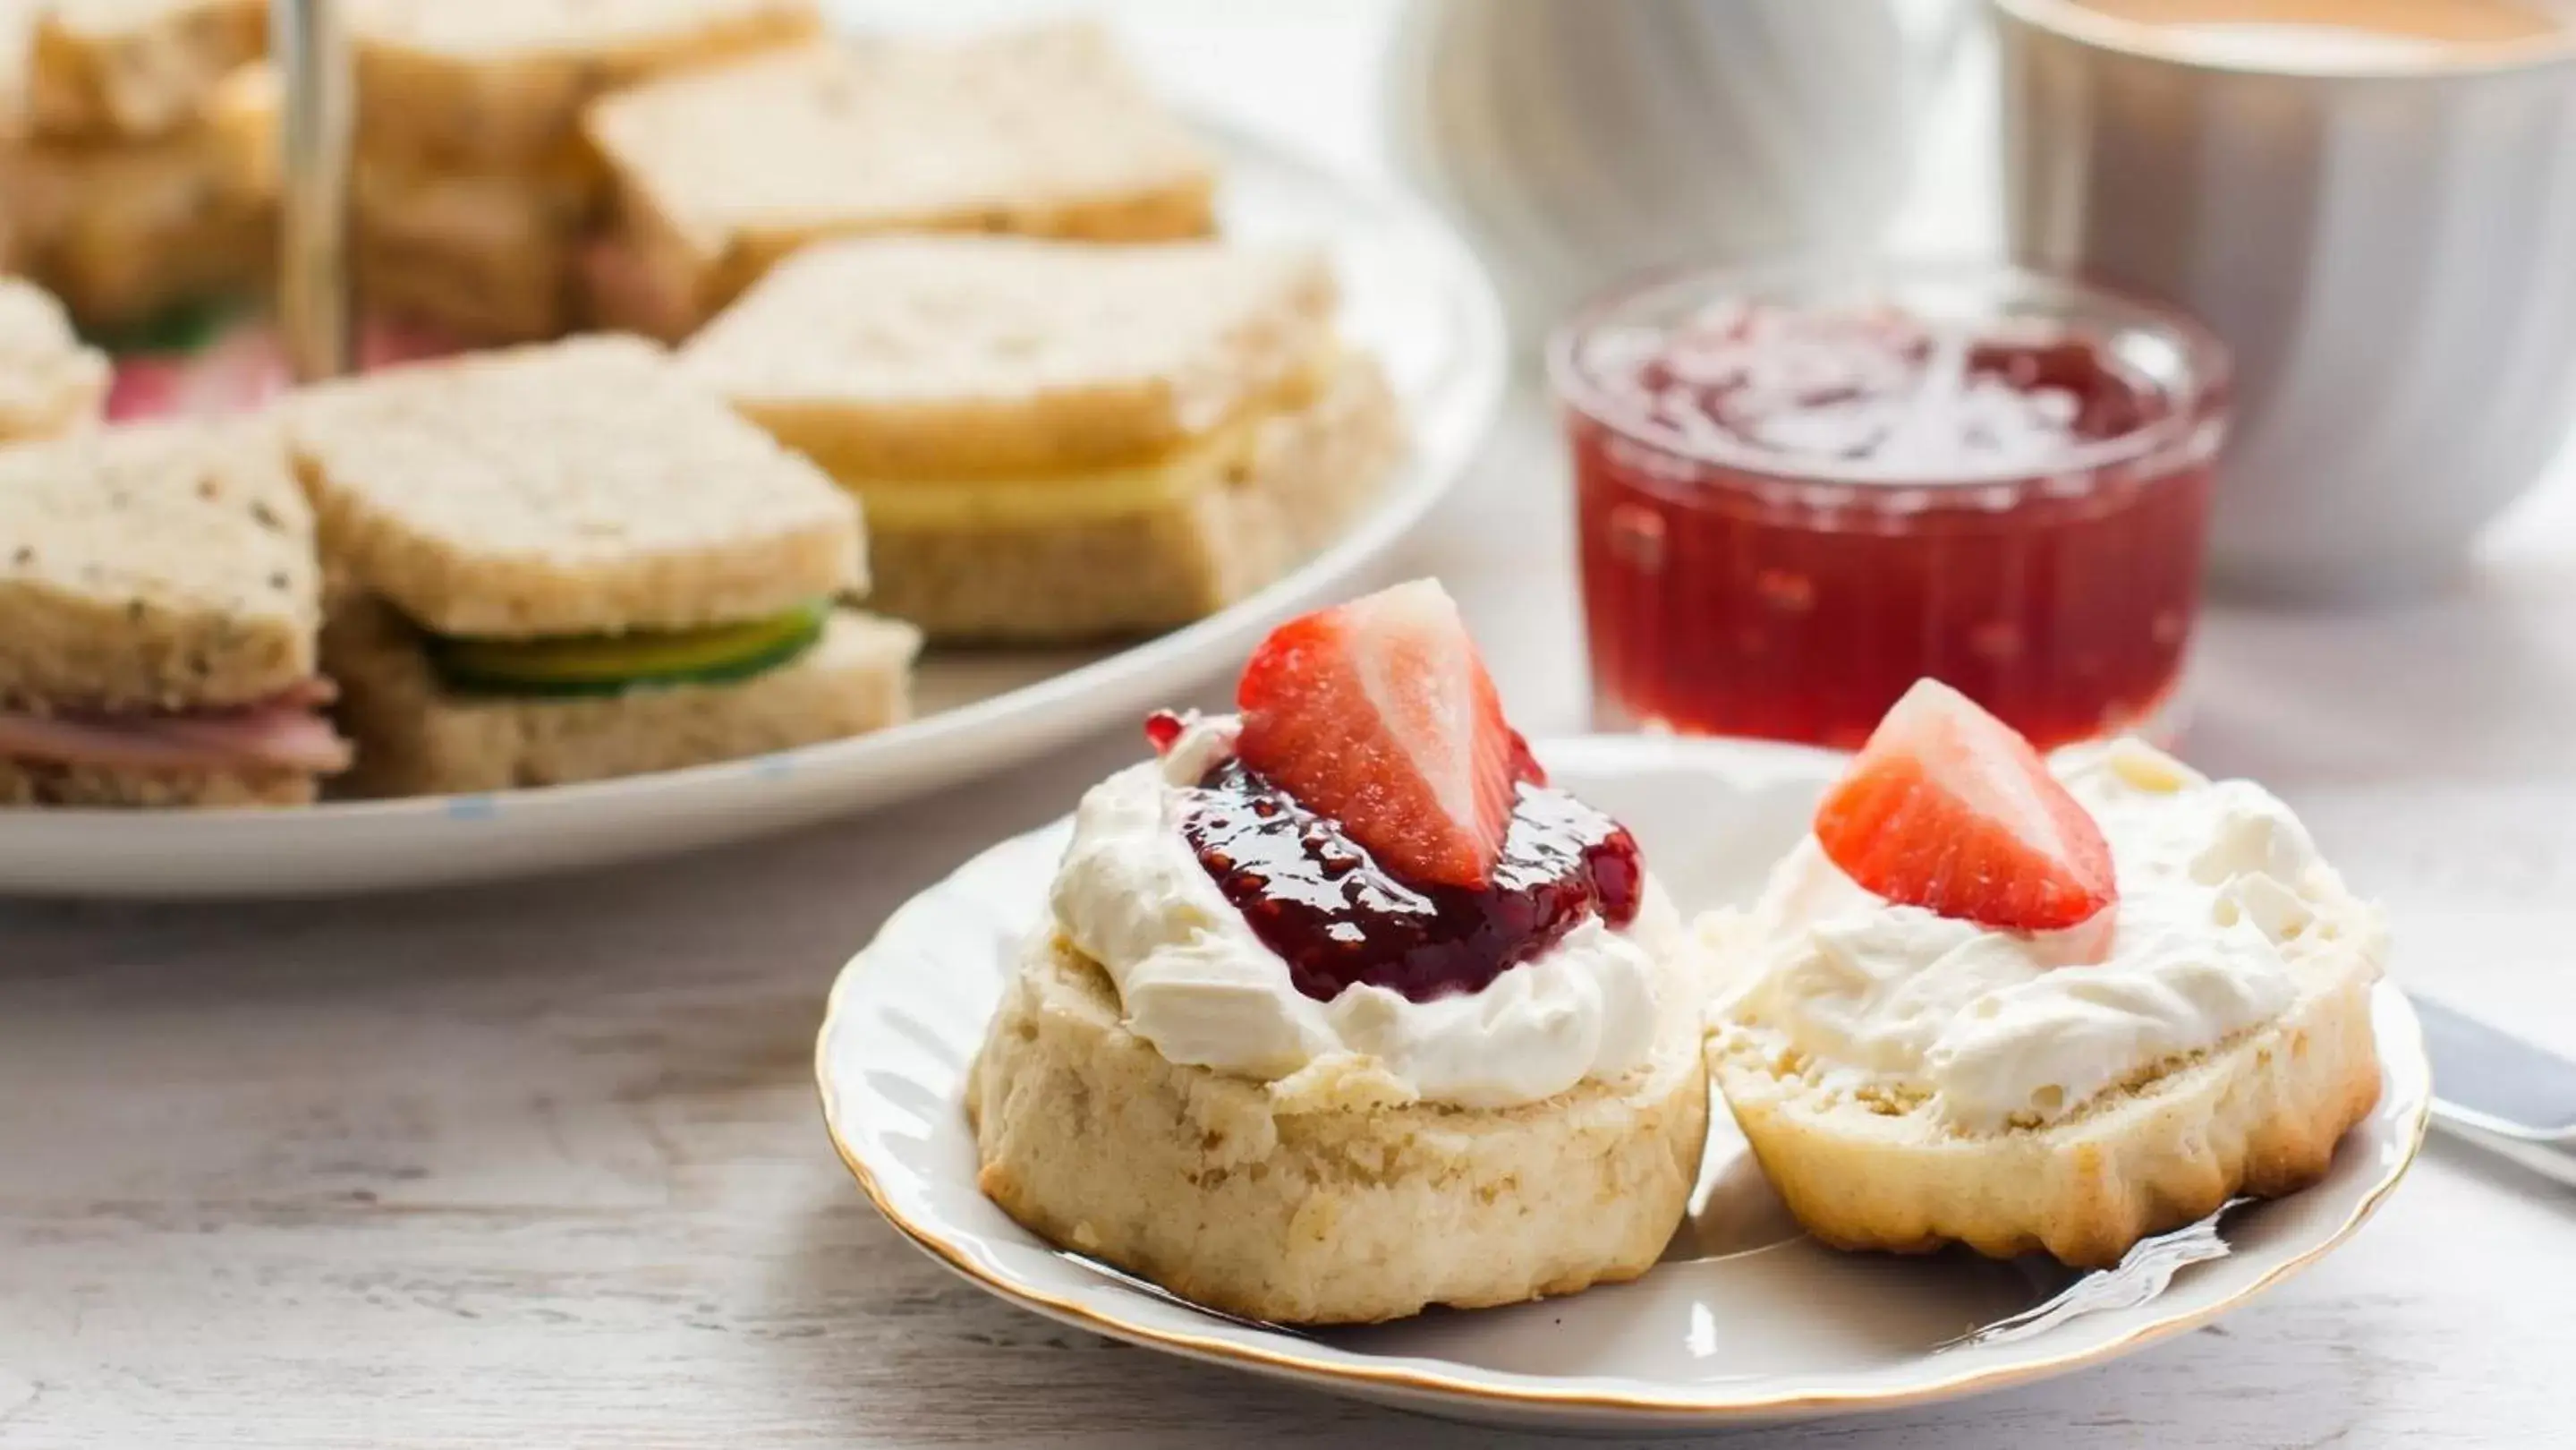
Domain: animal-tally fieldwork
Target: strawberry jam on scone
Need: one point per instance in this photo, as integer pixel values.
(1337, 969)
(2033, 1004)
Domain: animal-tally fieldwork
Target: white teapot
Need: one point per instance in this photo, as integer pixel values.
(1579, 141)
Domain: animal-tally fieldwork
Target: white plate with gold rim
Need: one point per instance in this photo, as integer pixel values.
(1745, 1322)
(1412, 294)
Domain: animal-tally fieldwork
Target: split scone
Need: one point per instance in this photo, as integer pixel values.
(1060, 441)
(2032, 1007)
(158, 602)
(719, 175)
(1341, 1012)
(568, 564)
(49, 382)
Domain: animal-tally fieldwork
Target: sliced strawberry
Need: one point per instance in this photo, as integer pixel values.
(1379, 714)
(1950, 810)
(1525, 766)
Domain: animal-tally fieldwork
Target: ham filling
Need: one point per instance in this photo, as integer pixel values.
(284, 732)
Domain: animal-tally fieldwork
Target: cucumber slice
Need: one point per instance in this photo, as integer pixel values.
(615, 664)
(185, 328)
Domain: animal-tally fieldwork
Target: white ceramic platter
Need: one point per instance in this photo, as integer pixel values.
(1745, 1322)
(1412, 295)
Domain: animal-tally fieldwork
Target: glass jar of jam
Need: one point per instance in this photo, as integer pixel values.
(1799, 491)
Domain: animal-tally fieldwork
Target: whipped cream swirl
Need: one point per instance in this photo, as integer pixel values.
(2223, 897)
(1201, 986)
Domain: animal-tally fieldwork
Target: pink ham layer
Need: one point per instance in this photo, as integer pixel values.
(243, 370)
(283, 732)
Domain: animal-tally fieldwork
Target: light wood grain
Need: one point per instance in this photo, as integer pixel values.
(541, 1166)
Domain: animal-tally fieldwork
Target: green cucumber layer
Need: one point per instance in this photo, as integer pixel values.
(595, 665)
(183, 329)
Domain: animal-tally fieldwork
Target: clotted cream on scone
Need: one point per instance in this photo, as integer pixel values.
(1341, 1011)
(2033, 1005)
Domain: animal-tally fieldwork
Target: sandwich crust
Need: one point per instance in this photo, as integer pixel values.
(1307, 1209)
(577, 488)
(416, 738)
(154, 567)
(1040, 131)
(121, 233)
(2258, 1115)
(37, 783)
(135, 69)
(504, 81)
(484, 254)
(961, 357)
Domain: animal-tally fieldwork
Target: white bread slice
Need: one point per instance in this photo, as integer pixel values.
(504, 81)
(416, 738)
(1321, 1203)
(135, 69)
(957, 357)
(154, 567)
(2258, 1115)
(577, 488)
(1041, 131)
(49, 382)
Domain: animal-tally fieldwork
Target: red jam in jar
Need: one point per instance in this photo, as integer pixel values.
(1798, 495)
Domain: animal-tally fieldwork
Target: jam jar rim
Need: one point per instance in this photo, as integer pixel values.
(2201, 397)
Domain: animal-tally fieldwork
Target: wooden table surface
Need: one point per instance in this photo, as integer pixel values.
(541, 1166)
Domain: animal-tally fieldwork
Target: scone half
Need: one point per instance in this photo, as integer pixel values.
(1211, 1186)
(2258, 1115)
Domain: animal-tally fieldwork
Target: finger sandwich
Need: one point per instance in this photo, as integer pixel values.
(496, 83)
(123, 231)
(484, 256)
(49, 382)
(719, 174)
(575, 565)
(473, 186)
(159, 599)
(1062, 441)
(134, 69)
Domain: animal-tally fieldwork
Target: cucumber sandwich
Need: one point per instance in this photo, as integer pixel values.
(571, 564)
(1061, 441)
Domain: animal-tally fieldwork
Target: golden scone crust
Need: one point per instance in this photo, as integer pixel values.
(2260, 1115)
(1311, 1209)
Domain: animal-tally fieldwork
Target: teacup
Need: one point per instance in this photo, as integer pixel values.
(2372, 201)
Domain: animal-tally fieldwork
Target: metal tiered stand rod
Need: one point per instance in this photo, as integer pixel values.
(313, 284)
